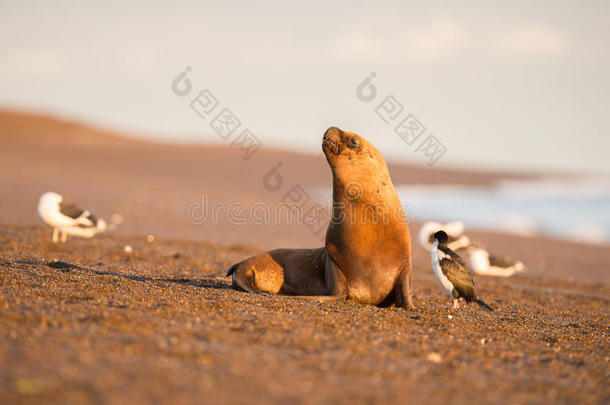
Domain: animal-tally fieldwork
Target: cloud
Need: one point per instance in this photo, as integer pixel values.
(448, 39)
(436, 41)
(35, 62)
(144, 59)
(439, 40)
(529, 41)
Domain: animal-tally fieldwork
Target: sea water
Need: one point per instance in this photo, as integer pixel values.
(576, 209)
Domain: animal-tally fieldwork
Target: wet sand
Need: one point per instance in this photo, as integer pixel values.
(85, 322)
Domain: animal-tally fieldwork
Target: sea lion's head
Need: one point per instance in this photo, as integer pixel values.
(353, 159)
(347, 148)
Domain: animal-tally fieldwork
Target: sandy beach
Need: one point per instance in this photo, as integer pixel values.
(87, 322)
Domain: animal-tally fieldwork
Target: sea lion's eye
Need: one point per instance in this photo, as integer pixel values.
(353, 143)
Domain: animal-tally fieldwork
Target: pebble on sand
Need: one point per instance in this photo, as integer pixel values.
(116, 219)
(434, 358)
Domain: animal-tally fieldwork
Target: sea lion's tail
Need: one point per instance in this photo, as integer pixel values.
(236, 284)
(232, 270)
(240, 283)
(484, 305)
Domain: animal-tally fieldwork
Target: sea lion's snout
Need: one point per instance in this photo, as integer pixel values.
(332, 132)
(331, 143)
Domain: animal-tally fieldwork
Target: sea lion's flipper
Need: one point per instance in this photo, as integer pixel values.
(243, 280)
(409, 296)
(403, 288)
(232, 269)
(335, 280)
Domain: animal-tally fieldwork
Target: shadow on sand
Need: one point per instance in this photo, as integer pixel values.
(67, 267)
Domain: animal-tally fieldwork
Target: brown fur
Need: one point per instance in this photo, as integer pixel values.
(367, 255)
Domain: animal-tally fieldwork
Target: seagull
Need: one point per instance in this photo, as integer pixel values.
(68, 218)
(451, 272)
(484, 263)
(454, 230)
(480, 260)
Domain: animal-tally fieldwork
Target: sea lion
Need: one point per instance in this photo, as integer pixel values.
(367, 254)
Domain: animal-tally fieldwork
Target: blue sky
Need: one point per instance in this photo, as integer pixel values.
(503, 85)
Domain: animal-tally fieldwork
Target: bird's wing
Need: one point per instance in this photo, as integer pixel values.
(451, 254)
(501, 261)
(459, 276)
(70, 210)
(92, 218)
(82, 217)
(88, 220)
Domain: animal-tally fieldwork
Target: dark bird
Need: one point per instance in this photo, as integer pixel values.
(451, 271)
